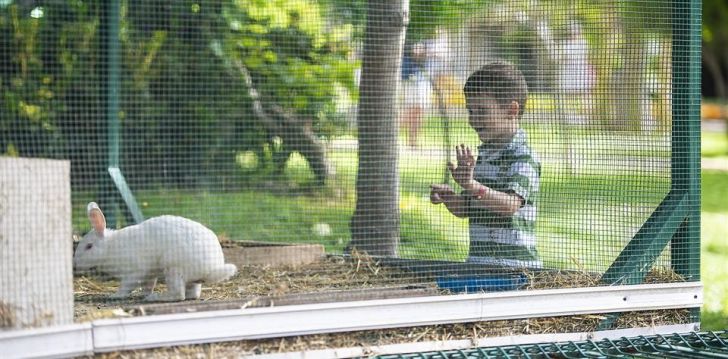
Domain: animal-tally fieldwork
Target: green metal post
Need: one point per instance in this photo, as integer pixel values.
(113, 87)
(686, 53)
(113, 84)
(686, 62)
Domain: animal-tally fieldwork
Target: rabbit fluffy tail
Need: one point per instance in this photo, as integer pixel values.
(225, 272)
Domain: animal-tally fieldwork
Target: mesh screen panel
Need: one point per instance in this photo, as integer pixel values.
(317, 146)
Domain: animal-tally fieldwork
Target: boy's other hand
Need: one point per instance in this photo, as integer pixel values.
(463, 172)
(440, 192)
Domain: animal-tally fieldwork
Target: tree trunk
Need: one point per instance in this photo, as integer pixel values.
(629, 88)
(712, 64)
(375, 224)
(298, 135)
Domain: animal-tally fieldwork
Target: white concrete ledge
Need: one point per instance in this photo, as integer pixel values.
(256, 323)
(53, 342)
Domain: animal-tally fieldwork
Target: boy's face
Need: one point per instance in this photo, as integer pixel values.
(495, 123)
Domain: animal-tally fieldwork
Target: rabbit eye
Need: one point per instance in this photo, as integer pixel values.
(88, 246)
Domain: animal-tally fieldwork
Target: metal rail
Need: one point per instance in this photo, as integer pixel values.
(687, 345)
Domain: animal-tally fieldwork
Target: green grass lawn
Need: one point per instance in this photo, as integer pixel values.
(714, 234)
(714, 144)
(714, 249)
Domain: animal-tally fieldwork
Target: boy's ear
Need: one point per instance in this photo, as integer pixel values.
(514, 109)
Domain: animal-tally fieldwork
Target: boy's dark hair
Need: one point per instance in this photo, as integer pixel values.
(501, 80)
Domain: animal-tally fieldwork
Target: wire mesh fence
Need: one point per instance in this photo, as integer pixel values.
(229, 149)
(689, 345)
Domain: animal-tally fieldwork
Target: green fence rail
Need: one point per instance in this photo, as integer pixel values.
(686, 345)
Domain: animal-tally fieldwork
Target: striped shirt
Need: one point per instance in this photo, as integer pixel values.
(495, 239)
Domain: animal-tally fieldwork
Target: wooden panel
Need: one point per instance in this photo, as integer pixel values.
(272, 254)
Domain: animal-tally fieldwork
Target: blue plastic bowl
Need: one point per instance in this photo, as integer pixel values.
(482, 283)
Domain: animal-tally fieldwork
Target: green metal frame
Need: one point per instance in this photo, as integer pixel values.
(686, 345)
(118, 183)
(677, 219)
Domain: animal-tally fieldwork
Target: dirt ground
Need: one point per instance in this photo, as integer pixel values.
(250, 283)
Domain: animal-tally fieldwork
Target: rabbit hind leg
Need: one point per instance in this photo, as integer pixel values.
(193, 290)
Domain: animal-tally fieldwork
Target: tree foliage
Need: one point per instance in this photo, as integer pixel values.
(297, 58)
(715, 44)
(180, 106)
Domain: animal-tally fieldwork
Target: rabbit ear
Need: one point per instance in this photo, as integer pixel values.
(96, 217)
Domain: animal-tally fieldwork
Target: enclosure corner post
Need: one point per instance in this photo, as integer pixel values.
(686, 62)
(112, 76)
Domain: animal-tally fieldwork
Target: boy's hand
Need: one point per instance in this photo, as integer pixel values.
(463, 172)
(439, 193)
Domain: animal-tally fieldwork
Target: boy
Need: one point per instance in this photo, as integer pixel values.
(500, 188)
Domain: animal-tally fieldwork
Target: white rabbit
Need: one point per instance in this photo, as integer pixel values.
(184, 251)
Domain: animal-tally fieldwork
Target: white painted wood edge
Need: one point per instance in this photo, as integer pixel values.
(53, 342)
(259, 323)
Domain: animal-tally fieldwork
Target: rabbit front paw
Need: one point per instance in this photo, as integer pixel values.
(123, 292)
